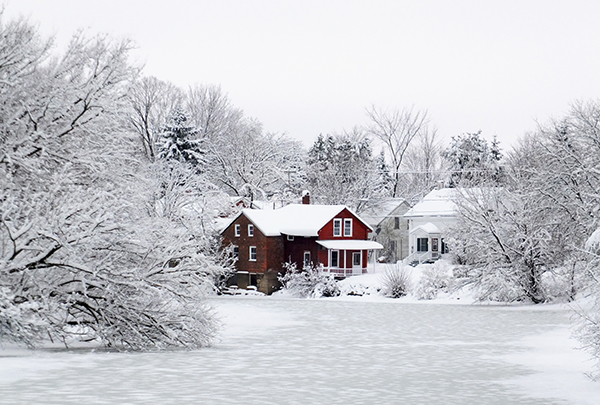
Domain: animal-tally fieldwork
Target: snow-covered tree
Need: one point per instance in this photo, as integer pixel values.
(82, 257)
(472, 161)
(180, 141)
(341, 170)
(396, 130)
(152, 102)
(423, 166)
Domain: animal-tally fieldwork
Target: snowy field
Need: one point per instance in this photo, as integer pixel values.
(276, 350)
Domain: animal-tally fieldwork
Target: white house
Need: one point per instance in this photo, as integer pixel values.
(428, 222)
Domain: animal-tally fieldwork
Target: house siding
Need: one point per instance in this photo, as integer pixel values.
(360, 231)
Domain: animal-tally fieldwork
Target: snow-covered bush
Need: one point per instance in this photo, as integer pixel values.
(588, 329)
(309, 281)
(434, 279)
(395, 281)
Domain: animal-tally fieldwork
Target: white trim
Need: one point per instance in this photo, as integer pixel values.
(237, 230)
(250, 230)
(304, 261)
(340, 222)
(350, 244)
(250, 254)
(331, 259)
(348, 221)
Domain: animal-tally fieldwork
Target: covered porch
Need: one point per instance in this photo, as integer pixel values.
(345, 258)
(425, 243)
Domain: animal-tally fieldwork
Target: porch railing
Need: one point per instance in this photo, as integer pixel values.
(343, 272)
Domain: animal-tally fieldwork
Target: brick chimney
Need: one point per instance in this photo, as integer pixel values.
(305, 197)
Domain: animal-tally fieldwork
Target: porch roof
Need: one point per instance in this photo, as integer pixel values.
(350, 244)
(427, 228)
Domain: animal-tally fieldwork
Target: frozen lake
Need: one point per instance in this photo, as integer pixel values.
(285, 351)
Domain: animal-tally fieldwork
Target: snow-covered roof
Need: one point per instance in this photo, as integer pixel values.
(294, 219)
(437, 203)
(373, 215)
(427, 228)
(350, 244)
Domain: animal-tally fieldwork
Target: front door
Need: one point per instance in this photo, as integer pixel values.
(356, 263)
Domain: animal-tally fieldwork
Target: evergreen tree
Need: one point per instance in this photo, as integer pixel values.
(179, 141)
(472, 161)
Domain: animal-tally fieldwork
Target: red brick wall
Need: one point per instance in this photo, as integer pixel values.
(244, 242)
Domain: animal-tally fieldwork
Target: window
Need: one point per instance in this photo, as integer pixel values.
(252, 254)
(337, 227)
(236, 252)
(335, 258)
(393, 246)
(306, 258)
(348, 227)
(422, 244)
(290, 237)
(396, 222)
(357, 259)
(238, 229)
(434, 244)
(250, 230)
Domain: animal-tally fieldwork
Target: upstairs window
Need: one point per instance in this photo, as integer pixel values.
(236, 252)
(348, 227)
(250, 230)
(238, 229)
(396, 222)
(252, 256)
(337, 227)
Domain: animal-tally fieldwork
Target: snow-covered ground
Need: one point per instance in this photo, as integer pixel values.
(367, 350)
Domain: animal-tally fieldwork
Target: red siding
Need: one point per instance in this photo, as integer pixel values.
(359, 230)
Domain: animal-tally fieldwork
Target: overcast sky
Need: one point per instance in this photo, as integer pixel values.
(312, 66)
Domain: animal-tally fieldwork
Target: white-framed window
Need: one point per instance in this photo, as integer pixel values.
(337, 227)
(306, 258)
(396, 222)
(252, 256)
(335, 258)
(238, 229)
(236, 251)
(347, 226)
(250, 230)
(290, 237)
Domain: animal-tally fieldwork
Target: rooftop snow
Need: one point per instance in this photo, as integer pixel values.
(436, 203)
(293, 219)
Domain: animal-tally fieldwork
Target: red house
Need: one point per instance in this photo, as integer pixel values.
(331, 235)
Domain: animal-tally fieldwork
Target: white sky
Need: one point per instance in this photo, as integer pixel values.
(312, 66)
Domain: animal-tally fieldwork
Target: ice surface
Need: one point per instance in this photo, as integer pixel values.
(274, 350)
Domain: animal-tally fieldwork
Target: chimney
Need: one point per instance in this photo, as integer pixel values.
(305, 197)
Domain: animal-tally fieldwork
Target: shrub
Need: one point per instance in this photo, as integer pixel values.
(310, 281)
(434, 279)
(396, 282)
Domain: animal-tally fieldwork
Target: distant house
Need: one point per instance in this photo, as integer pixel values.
(390, 228)
(428, 222)
(263, 240)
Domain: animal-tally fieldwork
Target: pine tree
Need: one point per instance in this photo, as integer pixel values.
(179, 141)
